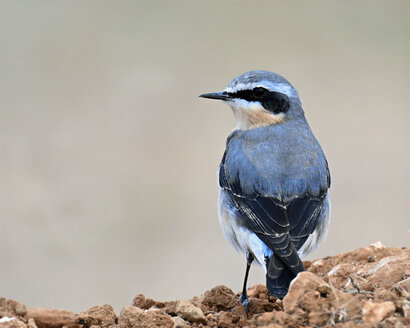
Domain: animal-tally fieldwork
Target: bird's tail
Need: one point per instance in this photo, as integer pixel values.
(278, 277)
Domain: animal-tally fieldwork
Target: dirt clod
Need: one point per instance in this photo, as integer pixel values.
(11, 308)
(102, 316)
(186, 310)
(51, 318)
(179, 322)
(145, 303)
(219, 298)
(12, 323)
(368, 287)
(134, 317)
(376, 312)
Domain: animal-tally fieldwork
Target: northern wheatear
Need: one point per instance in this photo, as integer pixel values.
(274, 179)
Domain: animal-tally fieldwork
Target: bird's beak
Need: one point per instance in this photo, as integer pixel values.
(222, 95)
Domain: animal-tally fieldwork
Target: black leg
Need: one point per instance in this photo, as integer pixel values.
(244, 296)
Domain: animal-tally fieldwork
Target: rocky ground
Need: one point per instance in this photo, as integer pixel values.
(367, 287)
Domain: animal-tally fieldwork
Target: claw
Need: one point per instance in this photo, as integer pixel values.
(245, 302)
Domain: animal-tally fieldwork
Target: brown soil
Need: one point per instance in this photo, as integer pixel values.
(367, 287)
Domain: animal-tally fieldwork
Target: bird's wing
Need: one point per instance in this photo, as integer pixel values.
(282, 223)
(269, 221)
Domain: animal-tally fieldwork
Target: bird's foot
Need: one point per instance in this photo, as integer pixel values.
(245, 302)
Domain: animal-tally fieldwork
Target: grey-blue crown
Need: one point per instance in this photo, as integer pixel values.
(266, 79)
(258, 76)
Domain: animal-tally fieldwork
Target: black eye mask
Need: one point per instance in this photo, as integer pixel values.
(272, 101)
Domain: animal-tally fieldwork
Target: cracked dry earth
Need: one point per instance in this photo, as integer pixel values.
(367, 287)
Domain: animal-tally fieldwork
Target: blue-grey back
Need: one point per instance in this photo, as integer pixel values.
(283, 161)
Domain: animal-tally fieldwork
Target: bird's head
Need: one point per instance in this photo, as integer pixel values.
(260, 98)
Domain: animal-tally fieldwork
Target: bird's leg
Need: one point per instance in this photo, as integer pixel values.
(244, 296)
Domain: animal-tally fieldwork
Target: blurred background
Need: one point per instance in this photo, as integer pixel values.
(108, 158)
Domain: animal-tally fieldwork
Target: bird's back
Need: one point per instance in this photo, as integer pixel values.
(282, 161)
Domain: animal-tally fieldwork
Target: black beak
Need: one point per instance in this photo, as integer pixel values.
(222, 95)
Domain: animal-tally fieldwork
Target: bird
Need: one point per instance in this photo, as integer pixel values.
(274, 179)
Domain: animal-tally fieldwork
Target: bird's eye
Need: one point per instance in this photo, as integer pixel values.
(259, 92)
